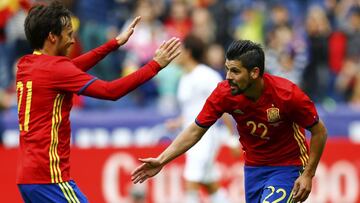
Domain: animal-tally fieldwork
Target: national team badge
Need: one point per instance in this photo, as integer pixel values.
(273, 114)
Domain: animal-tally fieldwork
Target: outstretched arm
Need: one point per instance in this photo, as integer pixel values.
(151, 166)
(91, 58)
(115, 89)
(302, 186)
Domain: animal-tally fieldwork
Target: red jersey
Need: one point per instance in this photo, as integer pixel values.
(45, 86)
(272, 128)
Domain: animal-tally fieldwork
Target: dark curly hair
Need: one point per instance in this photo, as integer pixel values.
(44, 19)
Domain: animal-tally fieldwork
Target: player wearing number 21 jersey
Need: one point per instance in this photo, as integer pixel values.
(271, 114)
(46, 81)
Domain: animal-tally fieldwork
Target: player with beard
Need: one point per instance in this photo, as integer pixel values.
(272, 114)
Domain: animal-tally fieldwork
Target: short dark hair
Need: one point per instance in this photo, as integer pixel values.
(196, 46)
(43, 19)
(250, 54)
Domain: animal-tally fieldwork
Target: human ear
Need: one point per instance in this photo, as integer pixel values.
(52, 37)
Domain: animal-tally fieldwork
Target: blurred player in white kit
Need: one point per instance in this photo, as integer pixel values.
(196, 84)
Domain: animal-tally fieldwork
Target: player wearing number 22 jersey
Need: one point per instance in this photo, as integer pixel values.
(271, 132)
(275, 121)
(271, 114)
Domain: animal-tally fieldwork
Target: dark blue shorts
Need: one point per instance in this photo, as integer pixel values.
(270, 183)
(50, 193)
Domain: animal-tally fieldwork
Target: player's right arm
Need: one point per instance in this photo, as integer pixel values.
(116, 89)
(151, 166)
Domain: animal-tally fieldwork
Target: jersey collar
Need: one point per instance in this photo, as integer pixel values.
(37, 52)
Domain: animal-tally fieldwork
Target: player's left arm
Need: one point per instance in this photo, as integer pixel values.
(91, 58)
(302, 186)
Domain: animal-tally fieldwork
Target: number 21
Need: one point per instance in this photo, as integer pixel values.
(20, 90)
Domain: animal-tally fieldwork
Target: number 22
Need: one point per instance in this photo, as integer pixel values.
(259, 125)
(20, 90)
(280, 190)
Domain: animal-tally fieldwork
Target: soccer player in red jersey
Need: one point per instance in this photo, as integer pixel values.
(46, 81)
(271, 114)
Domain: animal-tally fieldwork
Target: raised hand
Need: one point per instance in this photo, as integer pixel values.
(149, 168)
(123, 37)
(167, 52)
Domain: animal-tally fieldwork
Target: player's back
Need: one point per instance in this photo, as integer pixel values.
(43, 112)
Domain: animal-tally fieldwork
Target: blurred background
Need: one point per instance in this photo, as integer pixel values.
(314, 43)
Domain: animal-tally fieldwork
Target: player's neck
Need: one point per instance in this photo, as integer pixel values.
(256, 90)
(48, 49)
(190, 65)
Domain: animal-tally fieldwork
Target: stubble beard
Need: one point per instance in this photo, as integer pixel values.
(238, 90)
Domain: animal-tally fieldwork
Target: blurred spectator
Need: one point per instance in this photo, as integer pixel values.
(7, 101)
(12, 15)
(203, 25)
(215, 58)
(4, 104)
(286, 56)
(167, 82)
(95, 30)
(178, 23)
(16, 40)
(279, 16)
(331, 8)
(222, 12)
(149, 34)
(251, 26)
(350, 73)
(353, 35)
(5, 13)
(316, 78)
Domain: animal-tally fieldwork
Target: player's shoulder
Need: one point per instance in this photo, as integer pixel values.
(281, 87)
(60, 59)
(59, 64)
(43, 59)
(223, 88)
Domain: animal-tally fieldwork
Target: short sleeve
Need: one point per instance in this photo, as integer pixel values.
(212, 109)
(67, 77)
(302, 109)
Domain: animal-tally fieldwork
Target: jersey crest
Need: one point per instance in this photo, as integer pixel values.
(273, 114)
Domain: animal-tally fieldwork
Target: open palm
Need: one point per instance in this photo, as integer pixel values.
(148, 169)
